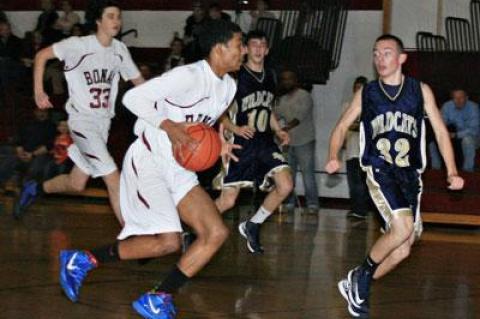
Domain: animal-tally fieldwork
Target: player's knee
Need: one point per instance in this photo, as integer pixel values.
(77, 186)
(228, 202)
(403, 229)
(218, 235)
(402, 252)
(285, 187)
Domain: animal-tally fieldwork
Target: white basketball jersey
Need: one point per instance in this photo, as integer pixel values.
(190, 93)
(92, 72)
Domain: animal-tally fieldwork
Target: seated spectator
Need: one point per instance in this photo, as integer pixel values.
(295, 107)
(34, 140)
(10, 54)
(356, 177)
(48, 15)
(77, 30)
(194, 22)
(175, 58)
(145, 71)
(68, 19)
(215, 12)
(59, 162)
(31, 45)
(3, 16)
(462, 118)
(248, 20)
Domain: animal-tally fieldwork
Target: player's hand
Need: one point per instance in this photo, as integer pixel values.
(455, 182)
(42, 100)
(177, 133)
(283, 136)
(332, 166)
(227, 152)
(245, 131)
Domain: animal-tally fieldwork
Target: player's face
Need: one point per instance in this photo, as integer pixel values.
(233, 52)
(257, 50)
(111, 21)
(387, 58)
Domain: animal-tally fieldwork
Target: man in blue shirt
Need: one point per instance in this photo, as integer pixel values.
(462, 116)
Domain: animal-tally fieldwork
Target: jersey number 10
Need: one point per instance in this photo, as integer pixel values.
(258, 119)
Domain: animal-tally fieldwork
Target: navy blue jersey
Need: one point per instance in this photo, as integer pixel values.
(392, 129)
(255, 97)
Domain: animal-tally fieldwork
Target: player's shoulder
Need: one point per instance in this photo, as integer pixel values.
(117, 44)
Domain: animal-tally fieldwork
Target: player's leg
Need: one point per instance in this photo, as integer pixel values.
(112, 181)
(227, 198)
(31, 190)
(199, 212)
(75, 181)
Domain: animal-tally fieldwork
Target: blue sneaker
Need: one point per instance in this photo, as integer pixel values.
(356, 296)
(74, 265)
(251, 232)
(28, 195)
(155, 305)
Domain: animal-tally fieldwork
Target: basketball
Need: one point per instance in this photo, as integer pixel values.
(205, 155)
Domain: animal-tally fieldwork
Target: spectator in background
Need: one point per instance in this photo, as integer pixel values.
(296, 108)
(175, 58)
(58, 162)
(462, 119)
(10, 53)
(31, 45)
(3, 16)
(48, 16)
(194, 22)
(193, 27)
(68, 19)
(248, 20)
(215, 12)
(145, 71)
(356, 177)
(77, 30)
(34, 140)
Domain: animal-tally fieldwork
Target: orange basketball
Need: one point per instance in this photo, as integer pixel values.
(205, 155)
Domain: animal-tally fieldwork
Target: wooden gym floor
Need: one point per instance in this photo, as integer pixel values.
(296, 278)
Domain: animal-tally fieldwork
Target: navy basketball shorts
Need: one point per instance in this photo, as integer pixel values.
(259, 160)
(395, 191)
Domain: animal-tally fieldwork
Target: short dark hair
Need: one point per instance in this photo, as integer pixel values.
(397, 40)
(256, 34)
(98, 6)
(215, 32)
(360, 80)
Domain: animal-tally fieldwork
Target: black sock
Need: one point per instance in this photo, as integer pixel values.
(40, 190)
(175, 279)
(369, 267)
(106, 254)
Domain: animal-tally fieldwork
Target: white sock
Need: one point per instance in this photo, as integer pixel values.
(260, 216)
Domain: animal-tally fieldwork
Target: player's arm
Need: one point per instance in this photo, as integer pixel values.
(338, 134)
(41, 58)
(443, 138)
(143, 101)
(279, 132)
(137, 81)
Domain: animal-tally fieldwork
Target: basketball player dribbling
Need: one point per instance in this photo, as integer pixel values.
(155, 191)
(93, 65)
(392, 153)
(261, 163)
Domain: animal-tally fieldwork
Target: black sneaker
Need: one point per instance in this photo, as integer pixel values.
(251, 232)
